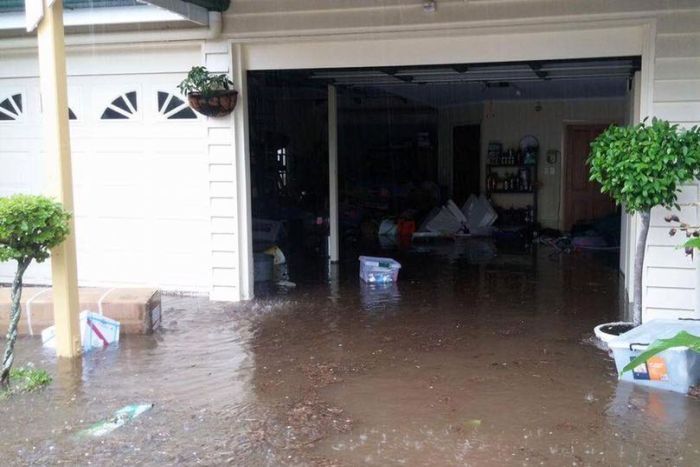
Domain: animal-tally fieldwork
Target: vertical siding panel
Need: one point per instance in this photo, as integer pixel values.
(222, 184)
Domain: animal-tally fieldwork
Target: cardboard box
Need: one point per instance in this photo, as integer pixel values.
(96, 331)
(138, 310)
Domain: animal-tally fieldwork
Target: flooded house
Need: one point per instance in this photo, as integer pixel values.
(374, 128)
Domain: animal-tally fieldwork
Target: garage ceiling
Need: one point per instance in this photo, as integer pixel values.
(446, 85)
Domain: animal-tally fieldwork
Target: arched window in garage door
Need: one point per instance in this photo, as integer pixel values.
(173, 108)
(123, 107)
(11, 108)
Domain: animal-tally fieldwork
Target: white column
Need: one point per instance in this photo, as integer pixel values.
(54, 100)
(229, 182)
(334, 244)
(243, 178)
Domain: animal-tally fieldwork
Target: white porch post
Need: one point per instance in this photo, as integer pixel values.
(334, 244)
(54, 100)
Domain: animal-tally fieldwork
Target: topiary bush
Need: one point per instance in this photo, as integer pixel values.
(29, 227)
(643, 166)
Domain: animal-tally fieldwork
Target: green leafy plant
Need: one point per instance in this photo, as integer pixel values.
(682, 339)
(29, 227)
(26, 379)
(199, 80)
(641, 167)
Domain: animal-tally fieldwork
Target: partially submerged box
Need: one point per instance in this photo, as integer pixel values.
(675, 369)
(95, 331)
(138, 310)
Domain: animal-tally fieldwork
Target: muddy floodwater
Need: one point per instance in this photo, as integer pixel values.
(475, 357)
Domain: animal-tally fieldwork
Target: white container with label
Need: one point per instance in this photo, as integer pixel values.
(375, 270)
(674, 369)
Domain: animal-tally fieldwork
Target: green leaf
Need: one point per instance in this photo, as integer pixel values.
(644, 166)
(693, 243)
(199, 79)
(682, 339)
(30, 226)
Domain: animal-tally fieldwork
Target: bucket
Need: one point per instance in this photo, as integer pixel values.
(263, 265)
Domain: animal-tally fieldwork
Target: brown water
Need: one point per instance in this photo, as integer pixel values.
(468, 360)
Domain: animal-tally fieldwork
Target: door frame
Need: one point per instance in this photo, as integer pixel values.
(494, 42)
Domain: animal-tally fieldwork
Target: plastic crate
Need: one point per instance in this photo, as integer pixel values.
(376, 270)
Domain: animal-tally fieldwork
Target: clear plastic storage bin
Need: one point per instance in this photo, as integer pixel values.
(375, 270)
(674, 369)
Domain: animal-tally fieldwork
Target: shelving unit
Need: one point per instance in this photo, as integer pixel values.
(501, 170)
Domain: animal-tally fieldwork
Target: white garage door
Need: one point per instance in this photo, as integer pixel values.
(140, 174)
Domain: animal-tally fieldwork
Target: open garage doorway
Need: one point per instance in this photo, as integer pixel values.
(419, 149)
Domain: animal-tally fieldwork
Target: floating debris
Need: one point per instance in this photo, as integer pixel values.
(120, 418)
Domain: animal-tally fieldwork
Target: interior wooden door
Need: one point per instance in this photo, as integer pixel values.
(583, 199)
(466, 167)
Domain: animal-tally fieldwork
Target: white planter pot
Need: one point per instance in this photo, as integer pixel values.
(602, 333)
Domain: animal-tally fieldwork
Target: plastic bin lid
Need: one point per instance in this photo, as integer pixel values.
(378, 261)
(655, 329)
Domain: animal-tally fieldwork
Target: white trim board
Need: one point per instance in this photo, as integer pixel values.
(511, 47)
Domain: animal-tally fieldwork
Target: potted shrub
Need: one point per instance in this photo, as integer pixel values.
(29, 227)
(209, 94)
(641, 167)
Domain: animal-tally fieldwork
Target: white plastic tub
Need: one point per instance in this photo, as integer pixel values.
(376, 270)
(674, 369)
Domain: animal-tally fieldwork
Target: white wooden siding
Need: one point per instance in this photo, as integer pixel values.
(671, 278)
(224, 253)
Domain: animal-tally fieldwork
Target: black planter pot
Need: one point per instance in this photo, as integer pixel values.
(216, 104)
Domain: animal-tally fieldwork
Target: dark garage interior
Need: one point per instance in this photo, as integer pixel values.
(491, 156)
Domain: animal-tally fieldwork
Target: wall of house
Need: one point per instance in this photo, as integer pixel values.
(671, 279)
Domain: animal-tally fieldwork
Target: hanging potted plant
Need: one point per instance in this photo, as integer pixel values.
(641, 167)
(209, 94)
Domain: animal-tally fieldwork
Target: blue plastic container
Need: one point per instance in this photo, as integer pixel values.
(376, 270)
